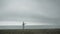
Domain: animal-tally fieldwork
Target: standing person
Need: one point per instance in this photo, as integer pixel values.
(23, 25)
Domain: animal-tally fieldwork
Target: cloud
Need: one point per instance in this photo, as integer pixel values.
(43, 11)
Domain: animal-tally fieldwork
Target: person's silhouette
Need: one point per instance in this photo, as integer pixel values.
(23, 25)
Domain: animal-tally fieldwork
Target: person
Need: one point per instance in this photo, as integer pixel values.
(23, 25)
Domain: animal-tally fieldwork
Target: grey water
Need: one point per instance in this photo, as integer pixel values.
(31, 27)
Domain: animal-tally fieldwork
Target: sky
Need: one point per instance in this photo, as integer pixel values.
(32, 12)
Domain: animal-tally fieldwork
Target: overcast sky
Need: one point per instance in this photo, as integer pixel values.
(38, 12)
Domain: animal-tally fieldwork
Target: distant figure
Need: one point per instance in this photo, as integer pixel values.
(23, 25)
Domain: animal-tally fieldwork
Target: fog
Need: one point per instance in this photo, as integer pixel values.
(35, 12)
